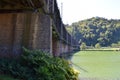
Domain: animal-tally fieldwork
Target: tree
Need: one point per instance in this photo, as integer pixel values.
(96, 30)
(97, 45)
(114, 45)
(83, 46)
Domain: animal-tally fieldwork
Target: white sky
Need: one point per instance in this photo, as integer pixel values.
(76, 10)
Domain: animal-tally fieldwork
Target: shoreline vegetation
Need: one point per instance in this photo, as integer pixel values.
(96, 32)
(103, 49)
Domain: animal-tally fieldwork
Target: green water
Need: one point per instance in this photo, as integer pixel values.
(97, 65)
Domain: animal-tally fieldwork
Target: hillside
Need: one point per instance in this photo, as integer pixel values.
(96, 30)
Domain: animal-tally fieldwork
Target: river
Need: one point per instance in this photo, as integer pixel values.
(97, 65)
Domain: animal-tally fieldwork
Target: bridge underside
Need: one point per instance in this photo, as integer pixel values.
(31, 29)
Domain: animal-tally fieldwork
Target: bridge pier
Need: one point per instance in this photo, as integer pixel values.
(41, 37)
(59, 48)
(31, 30)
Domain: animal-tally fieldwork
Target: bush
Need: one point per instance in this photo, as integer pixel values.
(5, 77)
(38, 65)
(98, 45)
(83, 46)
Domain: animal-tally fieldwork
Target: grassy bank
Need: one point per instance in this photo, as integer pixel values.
(98, 64)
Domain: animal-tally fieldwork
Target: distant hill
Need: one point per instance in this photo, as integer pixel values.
(96, 30)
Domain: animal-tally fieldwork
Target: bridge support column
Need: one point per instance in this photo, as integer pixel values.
(11, 33)
(41, 32)
(31, 30)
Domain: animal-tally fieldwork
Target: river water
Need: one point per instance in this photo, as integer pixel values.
(97, 65)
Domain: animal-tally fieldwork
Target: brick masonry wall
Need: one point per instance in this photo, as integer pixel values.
(31, 30)
(59, 48)
(42, 32)
(11, 29)
(6, 32)
(18, 33)
(55, 47)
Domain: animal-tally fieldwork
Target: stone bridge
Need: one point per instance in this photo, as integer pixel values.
(34, 24)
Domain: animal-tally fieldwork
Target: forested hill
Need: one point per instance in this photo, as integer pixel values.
(96, 30)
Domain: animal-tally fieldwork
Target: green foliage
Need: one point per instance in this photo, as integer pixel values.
(115, 44)
(5, 77)
(38, 65)
(96, 30)
(83, 46)
(54, 33)
(97, 45)
(16, 69)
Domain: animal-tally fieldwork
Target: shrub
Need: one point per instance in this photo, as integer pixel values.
(5, 77)
(83, 46)
(97, 45)
(38, 65)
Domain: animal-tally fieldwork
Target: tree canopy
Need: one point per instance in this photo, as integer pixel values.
(96, 30)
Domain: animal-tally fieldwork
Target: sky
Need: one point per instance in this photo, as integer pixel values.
(76, 10)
